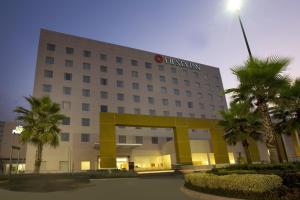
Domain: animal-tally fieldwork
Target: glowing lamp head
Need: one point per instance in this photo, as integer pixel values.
(234, 5)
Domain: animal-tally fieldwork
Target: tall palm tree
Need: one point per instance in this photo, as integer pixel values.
(260, 83)
(40, 125)
(240, 125)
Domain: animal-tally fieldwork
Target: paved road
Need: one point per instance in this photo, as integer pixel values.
(154, 188)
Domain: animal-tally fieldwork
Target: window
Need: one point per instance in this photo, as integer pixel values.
(122, 139)
(178, 103)
(192, 115)
(121, 110)
(201, 105)
(166, 113)
(48, 74)
(203, 116)
(163, 90)
(49, 60)
(103, 95)
(69, 50)
(66, 121)
(154, 140)
(50, 47)
(175, 81)
(103, 68)
(136, 98)
(120, 97)
(161, 67)
(69, 63)
(134, 74)
(119, 71)
(68, 76)
(65, 137)
(210, 96)
(135, 86)
(86, 79)
(85, 165)
(120, 84)
(169, 139)
(173, 70)
(152, 112)
(119, 59)
(198, 84)
(188, 93)
(86, 66)
(149, 76)
(186, 82)
(190, 104)
(85, 122)
(165, 102)
(103, 57)
(150, 100)
(87, 53)
(47, 88)
(137, 111)
(86, 92)
(66, 105)
(85, 107)
(148, 65)
(134, 62)
(67, 90)
(179, 114)
(85, 137)
(103, 81)
(200, 94)
(162, 79)
(212, 107)
(196, 74)
(139, 140)
(150, 88)
(176, 91)
(103, 108)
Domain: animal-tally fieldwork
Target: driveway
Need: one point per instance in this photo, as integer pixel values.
(152, 188)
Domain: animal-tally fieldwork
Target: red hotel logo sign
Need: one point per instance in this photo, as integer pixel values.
(177, 62)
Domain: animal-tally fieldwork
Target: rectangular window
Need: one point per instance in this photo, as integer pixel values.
(201, 105)
(69, 63)
(85, 107)
(47, 88)
(173, 70)
(49, 60)
(120, 84)
(135, 86)
(165, 102)
(190, 104)
(179, 114)
(103, 95)
(86, 79)
(166, 113)
(134, 62)
(192, 115)
(134, 74)
(196, 74)
(103, 108)
(103, 57)
(139, 140)
(69, 50)
(86, 66)
(50, 47)
(85, 137)
(154, 140)
(212, 107)
(162, 79)
(150, 100)
(66, 121)
(175, 81)
(87, 53)
(137, 111)
(150, 88)
(121, 110)
(120, 97)
(186, 82)
(163, 90)
(66, 105)
(103, 68)
(152, 112)
(119, 71)
(136, 98)
(67, 90)
(85, 122)
(169, 139)
(161, 67)
(122, 139)
(85, 165)
(48, 73)
(103, 81)
(198, 84)
(68, 76)
(148, 65)
(176, 91)
(65, 137)
(178, 103)
(86, 92)
(148, 76)
(119, 59)
(188, 93)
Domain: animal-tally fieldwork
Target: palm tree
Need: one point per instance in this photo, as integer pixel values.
(260, 84)
(240, 125)
(40, 125)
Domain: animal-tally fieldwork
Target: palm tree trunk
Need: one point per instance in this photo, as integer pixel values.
(269, 133)
(38, 158)
(247, 151)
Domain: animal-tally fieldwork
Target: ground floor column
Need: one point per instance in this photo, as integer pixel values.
(182, 146)
(254, 151)
(107, 146)
(219, 147)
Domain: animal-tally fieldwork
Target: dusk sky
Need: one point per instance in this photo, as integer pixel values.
(203, 31)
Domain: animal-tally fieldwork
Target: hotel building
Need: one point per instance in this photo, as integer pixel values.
(88, 77)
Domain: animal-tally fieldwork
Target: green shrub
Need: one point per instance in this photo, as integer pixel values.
(243, 182)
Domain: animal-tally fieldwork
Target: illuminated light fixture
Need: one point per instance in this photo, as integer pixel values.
(18, 130)
(234, 5)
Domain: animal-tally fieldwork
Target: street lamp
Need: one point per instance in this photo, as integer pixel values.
(235, 6)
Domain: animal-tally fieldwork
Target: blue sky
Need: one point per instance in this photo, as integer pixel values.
(198, 30)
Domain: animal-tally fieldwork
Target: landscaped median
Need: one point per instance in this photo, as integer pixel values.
(243, 186)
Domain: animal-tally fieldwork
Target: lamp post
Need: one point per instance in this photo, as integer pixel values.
(235, 6)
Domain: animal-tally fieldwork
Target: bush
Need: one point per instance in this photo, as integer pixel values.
(244, 182)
